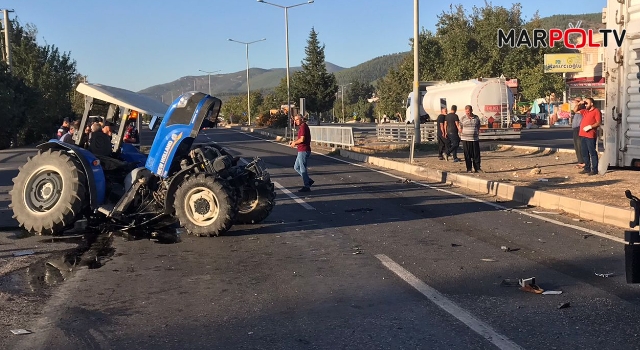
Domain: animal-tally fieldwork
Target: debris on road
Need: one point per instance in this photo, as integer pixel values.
(489, 260)
(508, 282)
(508, 249)
(357, 210)
(20, 331)
(606, 275)
(23, 253)
(529, 285)
(456, 245)
(543, 180)
(564, 305)
(552, 292)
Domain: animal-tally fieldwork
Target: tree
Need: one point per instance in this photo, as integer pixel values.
(313, 82)
(357, 91)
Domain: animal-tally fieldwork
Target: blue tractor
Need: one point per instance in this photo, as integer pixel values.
(201, 187)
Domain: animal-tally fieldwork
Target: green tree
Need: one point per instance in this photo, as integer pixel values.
(313, 82)
(357, 91)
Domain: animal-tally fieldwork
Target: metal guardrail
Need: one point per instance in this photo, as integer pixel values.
(404, 132)
(332, 135)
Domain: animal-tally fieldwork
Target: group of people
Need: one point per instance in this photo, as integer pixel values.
(586, 121)
(452, 130)
(97, 137)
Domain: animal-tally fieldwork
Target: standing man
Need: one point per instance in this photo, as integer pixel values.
(451, 126)
(470, 136)
(578, 107)
(68, 137)
(442, 144)
(591, 120)
(63, 129)
(303, 143)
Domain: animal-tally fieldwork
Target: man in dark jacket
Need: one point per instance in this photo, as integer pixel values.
(442, 142)
(99, 142)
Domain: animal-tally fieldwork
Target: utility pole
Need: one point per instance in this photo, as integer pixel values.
(415, 101)
(7, 42)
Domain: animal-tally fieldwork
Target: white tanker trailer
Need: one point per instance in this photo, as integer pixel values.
(491, 99)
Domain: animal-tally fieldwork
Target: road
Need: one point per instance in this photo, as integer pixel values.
(363, 261)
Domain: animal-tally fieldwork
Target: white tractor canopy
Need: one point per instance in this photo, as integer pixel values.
(124, 98)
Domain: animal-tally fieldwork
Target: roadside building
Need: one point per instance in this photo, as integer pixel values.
(590, 82)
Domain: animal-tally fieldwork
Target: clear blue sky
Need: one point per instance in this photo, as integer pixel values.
(135, 44)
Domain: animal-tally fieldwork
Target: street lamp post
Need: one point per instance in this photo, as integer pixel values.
(286, 28)
(204, 71)
(248, 89)
(342, 89)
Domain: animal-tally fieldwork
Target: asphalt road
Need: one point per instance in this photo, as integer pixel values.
(363, 261)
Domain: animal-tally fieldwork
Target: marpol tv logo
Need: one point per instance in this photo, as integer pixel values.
(555, 37)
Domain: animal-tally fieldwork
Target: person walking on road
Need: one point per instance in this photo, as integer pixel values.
(470, 136)
(591, 120)
(442, 142)
(451, 126)
(575, 125)
(303, 144)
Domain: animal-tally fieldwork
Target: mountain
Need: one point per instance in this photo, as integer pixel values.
(589, 21)
(223, 85)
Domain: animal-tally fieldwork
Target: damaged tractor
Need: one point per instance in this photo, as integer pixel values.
(201, 187)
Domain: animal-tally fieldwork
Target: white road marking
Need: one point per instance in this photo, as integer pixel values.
(497, 206)
(294, 197)
(483, 329)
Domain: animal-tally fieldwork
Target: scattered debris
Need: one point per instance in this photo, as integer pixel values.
(508, 282)
(489, 260)
(543, 180)
(564, 305)
(587, 235)
(552, 292)
(541, 240)
(23, 253)
(577, 220)
(535, 171)
(456, 245)
(507, 249)
(405, 181)
(544, 212)
(356, 210)
(606, 275)
(357, 252)
(529, 285)
(20, 331)
(515, 174)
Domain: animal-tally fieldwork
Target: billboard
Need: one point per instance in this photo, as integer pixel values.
(563, 62)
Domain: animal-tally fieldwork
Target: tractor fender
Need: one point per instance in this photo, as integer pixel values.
(92, 169)
(176, 181)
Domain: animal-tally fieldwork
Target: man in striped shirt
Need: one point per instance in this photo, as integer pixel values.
(470, 136)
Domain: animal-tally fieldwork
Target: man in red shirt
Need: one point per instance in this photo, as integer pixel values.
(303, 143)
(591, 120)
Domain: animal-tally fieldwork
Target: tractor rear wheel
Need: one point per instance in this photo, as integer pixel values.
(48, 193)
(256, 203)
(205, 205)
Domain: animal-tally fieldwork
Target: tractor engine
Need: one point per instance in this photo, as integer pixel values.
(213, 162)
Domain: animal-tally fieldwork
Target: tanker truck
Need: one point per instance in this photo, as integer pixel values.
(491, 99)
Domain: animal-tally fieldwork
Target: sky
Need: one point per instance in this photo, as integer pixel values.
(135, 44)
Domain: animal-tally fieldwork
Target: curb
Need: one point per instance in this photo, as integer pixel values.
(538, 149)
(601, 213)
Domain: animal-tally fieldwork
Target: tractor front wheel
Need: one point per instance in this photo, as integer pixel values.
(48, 193)
(205, 205)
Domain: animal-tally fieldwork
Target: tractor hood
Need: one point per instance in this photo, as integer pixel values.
(124, 98)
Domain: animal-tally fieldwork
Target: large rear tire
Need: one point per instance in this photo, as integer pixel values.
(48, 193)
(205, 205)
(256, 203)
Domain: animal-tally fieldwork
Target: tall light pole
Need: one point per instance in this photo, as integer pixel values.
(342, 88)
(286, 28)
(204, 71)
(248, 89)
